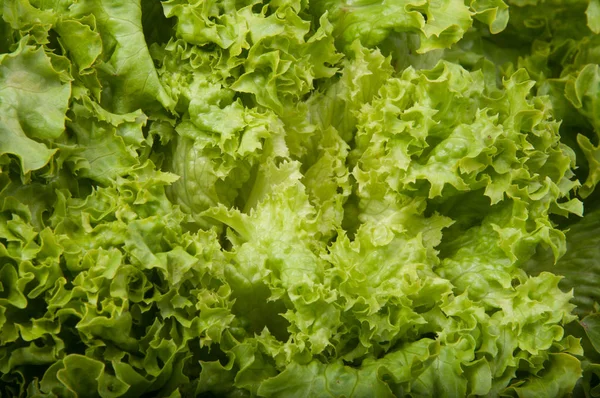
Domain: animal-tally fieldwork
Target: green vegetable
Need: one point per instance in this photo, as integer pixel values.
(292, 198)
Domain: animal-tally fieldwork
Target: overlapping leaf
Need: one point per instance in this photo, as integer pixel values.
(279, 199)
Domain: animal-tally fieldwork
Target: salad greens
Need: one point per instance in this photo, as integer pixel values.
(296, 198)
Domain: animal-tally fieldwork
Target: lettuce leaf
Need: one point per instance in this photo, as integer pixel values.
(33, 107)
(294, 198)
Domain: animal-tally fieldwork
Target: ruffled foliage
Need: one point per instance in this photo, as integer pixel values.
(284, 198)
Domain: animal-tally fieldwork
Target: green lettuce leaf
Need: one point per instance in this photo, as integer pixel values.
(127, 72)
(579, 266)
(33, 108)
(295, 198)
(436, 24)
(580, 271)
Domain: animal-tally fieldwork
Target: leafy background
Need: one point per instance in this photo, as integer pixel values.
(284, 198)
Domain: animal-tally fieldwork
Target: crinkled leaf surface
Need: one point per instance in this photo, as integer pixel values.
(293, 199)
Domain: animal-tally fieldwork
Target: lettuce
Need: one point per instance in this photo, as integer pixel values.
(292, 198)
(580, 269)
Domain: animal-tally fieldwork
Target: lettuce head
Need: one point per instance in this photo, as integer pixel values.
(295, 198)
